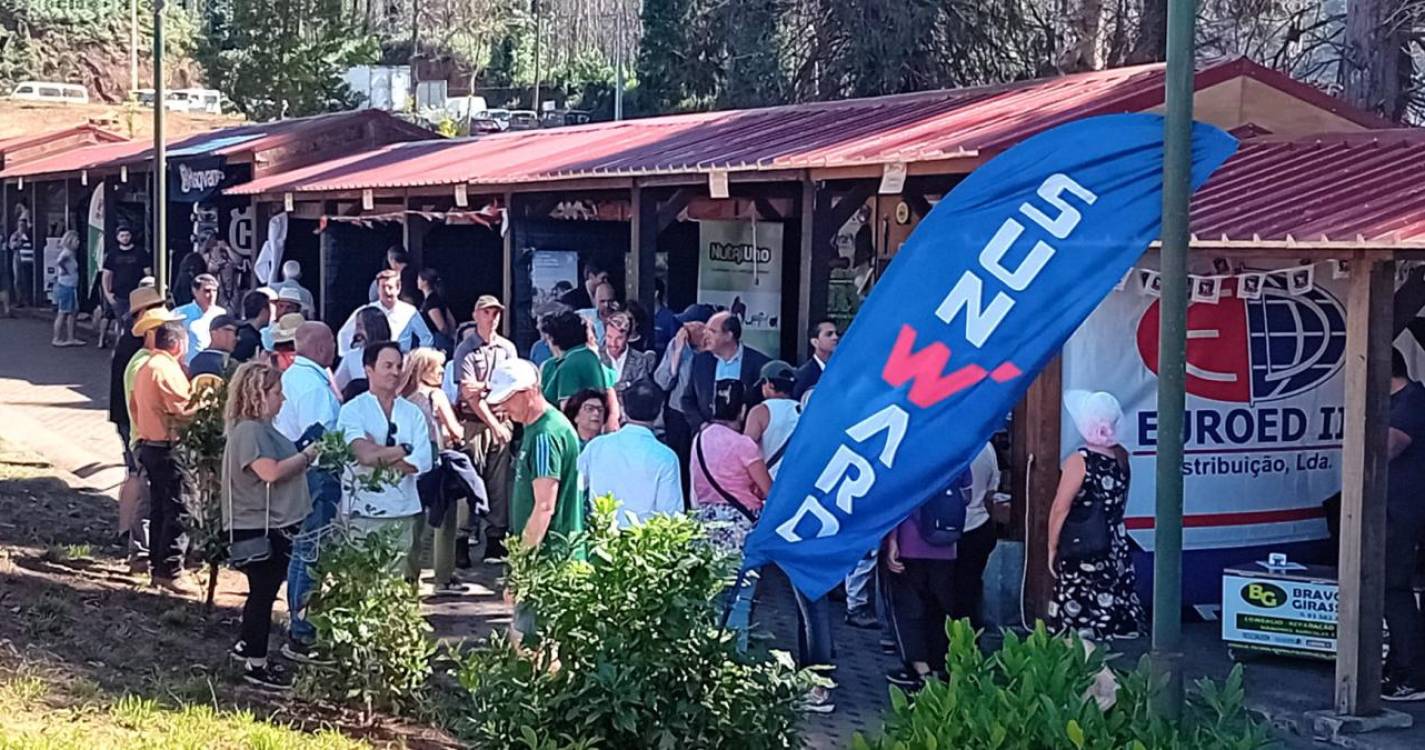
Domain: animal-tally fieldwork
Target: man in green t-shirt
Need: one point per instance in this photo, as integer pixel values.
(576, 365)
(545, 500)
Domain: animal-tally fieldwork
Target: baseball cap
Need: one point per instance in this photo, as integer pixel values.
(153, 318)
(142, 298)
(286, 329)
(224, 321)
(778, 373)
(488, 300)
(699, 313)
(510, 377)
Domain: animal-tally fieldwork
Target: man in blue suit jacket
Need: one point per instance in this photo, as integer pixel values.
(724, 359)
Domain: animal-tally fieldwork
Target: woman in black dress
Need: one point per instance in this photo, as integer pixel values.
(435, 311)
(1089, 554)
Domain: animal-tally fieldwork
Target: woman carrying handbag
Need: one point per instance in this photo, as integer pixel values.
(1089, 555)
(265, 500)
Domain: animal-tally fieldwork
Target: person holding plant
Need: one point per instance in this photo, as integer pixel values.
(386, 432)
(730, 482)
(265, 500)
(1089, 557)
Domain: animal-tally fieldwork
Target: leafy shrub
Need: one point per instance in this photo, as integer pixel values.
(1032, 695)
(630, 652)
(200, 457)
(370, 619)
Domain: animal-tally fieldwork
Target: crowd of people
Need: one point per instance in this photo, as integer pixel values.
(478, 443)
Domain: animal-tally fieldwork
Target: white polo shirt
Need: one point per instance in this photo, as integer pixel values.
(307, 399)
(362, 417)
(640, 472)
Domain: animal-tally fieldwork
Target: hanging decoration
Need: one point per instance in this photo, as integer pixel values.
(490, 216)
(1210, 288)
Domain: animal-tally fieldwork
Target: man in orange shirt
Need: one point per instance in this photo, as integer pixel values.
(160, 405)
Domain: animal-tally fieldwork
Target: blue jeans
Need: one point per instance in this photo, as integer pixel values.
(739, 603)
(301, 571)
(814, 643)
(858, 583)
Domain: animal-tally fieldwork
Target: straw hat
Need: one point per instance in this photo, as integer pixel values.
(286, 329)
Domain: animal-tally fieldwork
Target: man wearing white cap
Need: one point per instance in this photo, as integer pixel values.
(291, 279)
(289, 302)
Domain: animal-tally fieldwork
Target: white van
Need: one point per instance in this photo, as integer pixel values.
(47, 91)
(196, 100)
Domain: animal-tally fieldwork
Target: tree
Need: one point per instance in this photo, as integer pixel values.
(1376, 67)
(283, 58)
(474, 30)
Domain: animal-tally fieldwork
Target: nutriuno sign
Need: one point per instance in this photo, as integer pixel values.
(982, 295)
(1265, 412)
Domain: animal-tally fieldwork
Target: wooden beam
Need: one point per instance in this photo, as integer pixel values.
(1034, 454)
(668, 212)
(1361, 573)
(766, 211)
(507, 272)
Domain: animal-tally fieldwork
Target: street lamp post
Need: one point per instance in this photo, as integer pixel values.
(1166, 656)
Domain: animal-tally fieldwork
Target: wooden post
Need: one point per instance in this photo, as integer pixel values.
(1361, 574)
(1035, 457)
(643, 239)
(804, 274)
(507, 282)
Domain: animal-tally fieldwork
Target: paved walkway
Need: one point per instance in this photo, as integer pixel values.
(55, 402)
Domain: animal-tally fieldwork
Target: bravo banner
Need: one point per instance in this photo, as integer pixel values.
(982, 295)
(1265, 403)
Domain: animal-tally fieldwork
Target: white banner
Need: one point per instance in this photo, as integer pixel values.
(1264, 417)
(740, 268)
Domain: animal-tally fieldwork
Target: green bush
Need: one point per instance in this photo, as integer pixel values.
(1032, 695)
(630, 654)
(370, 619)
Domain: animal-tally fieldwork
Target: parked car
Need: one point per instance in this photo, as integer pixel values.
(524, 119)
(482, 125)
(185, 100)
(561, 117)
(501, 116)
(47, 91)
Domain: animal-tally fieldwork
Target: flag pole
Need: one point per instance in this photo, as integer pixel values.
(1166, 655)
(160, 158)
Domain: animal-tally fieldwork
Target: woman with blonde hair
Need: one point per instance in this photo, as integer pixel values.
(420, 384)
(66, 291)
(265, 500)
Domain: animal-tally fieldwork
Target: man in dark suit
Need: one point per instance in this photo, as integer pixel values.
(824, 339)
(631, 364)
(582, 297)
(724, 359)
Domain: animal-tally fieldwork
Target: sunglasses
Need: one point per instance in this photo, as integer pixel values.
(390, 434)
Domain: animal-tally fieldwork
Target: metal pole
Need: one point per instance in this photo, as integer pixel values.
(535, 101)
(160, 158)
(133, 48)
(618, 67)
(1166, 655)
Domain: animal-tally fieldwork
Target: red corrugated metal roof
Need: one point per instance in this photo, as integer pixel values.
(36, 139)
(1333, 188)
(221, 142)
(922, 126)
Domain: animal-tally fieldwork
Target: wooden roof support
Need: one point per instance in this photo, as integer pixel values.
(1361, 573)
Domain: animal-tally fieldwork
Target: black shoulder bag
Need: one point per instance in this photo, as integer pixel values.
(1086, 534)
(728, 496)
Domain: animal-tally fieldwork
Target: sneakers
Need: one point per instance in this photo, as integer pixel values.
(494, 552)
(905, 679)
(305, 653)
(862, 617)
(238, 652)
(268, 677)
(453, 588)
(1400, 692)
(818, 701)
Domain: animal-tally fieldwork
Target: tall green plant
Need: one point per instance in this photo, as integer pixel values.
(200, 457)
(629, 653)
(370, 618)
(1033, 694)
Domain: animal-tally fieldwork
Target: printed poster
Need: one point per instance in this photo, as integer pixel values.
(740, 269)
(1265, 405)
(553, 273)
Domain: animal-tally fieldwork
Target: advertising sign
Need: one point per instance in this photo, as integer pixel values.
(984, 293)
(740, 268)
(1275, 614)
(1265, 404)
(196, 179)
(553, 273)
